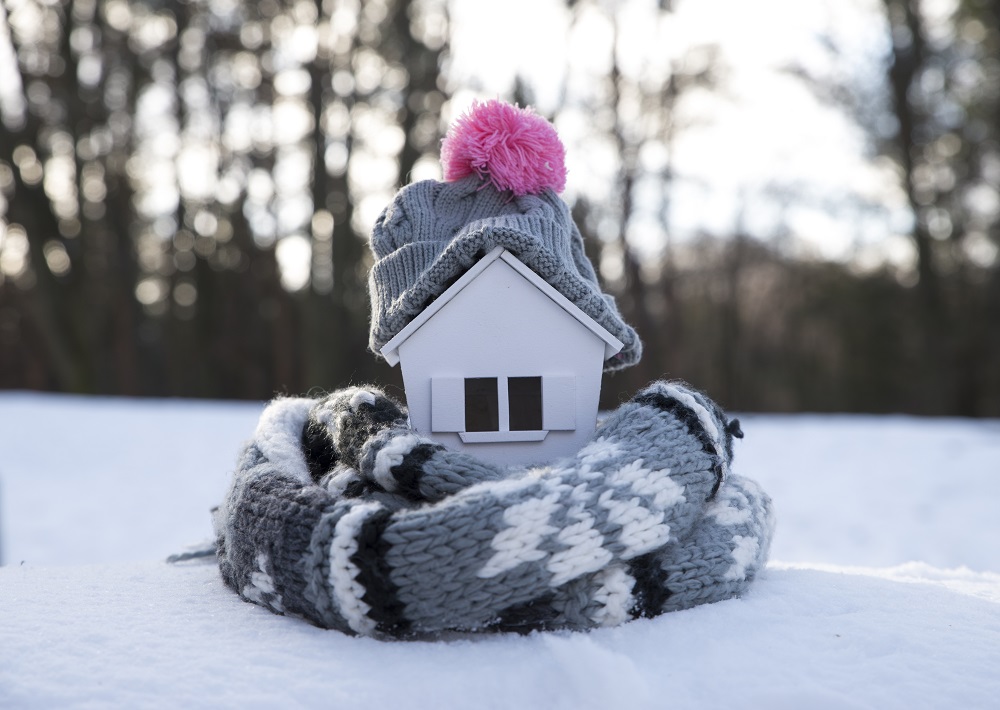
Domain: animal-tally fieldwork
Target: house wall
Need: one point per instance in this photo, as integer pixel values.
(500, 325)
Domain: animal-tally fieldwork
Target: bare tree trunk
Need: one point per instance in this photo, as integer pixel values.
(633, 287)
(909, 52)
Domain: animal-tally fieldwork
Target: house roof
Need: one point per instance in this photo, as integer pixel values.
(390, 351)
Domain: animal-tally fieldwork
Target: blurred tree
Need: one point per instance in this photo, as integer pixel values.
(935, 114)
(187, 185)
(944, 85)
(622, 106)
(185, 188)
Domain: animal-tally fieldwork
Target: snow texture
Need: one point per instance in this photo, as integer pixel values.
(884, 591)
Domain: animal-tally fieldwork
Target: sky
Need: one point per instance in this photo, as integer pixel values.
(765, 132)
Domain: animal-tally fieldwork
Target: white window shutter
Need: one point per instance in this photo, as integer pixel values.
(559, 402)
(447, 404)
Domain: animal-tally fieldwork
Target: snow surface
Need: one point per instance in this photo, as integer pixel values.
(883, 591)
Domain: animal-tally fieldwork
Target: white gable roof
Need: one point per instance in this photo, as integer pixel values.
(612, 345)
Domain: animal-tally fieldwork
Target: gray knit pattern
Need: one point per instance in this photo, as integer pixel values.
(341, 514)
(433, 232)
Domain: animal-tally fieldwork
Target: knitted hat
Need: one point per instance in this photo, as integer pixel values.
(503, 166)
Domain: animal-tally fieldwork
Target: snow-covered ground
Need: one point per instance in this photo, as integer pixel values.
(883, 591)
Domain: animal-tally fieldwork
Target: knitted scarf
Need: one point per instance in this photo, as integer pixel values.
(341, 514)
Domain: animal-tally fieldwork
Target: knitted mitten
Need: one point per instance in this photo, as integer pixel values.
(402, 535)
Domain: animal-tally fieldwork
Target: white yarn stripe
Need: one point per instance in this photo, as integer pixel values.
(324, 415)
(614, 594)
(642, 529)
(528, 525)
(582, 495)
(347, 591)
(744, 553)
(598, 450)
(279, 434)
(342, 477)
(704, 416)
(585, 552)
(642, 481)
(261, 584)
(361, 397)
(392, 455)
(732, 507)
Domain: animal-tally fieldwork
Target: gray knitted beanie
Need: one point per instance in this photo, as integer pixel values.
(341, 514)
(433, 232)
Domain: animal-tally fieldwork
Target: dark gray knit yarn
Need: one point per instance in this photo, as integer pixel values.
(433, 232)
(400, 536)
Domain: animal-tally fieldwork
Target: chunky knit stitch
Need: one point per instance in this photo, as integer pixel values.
(341, 514)
(433, 232)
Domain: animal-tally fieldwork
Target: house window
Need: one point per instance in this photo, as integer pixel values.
(513, 408)
(525, 403)
(482, 406)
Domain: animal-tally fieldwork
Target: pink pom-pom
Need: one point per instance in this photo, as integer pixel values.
(515, 148)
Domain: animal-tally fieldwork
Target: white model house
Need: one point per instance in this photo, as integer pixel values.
(503, 366)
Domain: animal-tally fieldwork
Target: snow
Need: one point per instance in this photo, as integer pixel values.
(883, 590)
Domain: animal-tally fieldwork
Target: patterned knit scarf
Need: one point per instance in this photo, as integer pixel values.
(341, 514)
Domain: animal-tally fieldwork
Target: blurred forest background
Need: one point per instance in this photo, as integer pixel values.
(186, 188)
